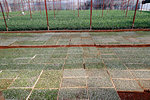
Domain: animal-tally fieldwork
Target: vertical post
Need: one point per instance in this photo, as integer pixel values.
(46, 15)
(103, 8)
(78, 8)
(7, 8)
(22, 5)
(135, 13)
(108, 5)
(30, 9)
(5, 5)
(91, 15)
(127, 8)
(73, 8)
(54, 8)
(40, 5)
(3, 16)
(122, 4)
(142, 6)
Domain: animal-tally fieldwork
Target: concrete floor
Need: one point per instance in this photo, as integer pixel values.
(86, 73)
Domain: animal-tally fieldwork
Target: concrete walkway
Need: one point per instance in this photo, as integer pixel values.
(74, 73)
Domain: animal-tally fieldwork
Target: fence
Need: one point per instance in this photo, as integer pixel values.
(19, 15)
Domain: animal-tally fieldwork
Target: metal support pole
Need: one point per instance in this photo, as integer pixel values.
(135, 13)
(30, 9)
(46, 15)
(78, 8)
(91, 15)
(7, 8)
(103, 7)
(40, 6)
(127, 8)
(73, 8)
(142, 6)
(3, 16)
(107, 5)
(54, 8)
(122, 5)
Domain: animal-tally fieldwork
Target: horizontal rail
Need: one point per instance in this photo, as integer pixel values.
(97, 46)
(51, 31)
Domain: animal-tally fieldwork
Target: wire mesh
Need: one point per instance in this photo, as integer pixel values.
(74, 14)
